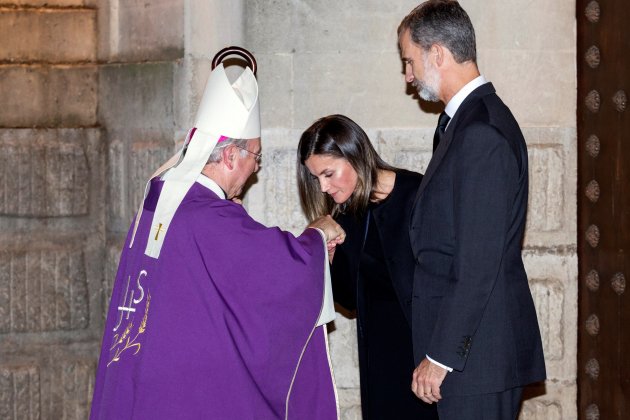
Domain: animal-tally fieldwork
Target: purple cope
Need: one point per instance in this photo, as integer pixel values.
(221, 326)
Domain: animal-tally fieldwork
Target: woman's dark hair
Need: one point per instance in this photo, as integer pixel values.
(337, 136)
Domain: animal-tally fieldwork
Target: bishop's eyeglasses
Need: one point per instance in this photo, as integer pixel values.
(258, 156)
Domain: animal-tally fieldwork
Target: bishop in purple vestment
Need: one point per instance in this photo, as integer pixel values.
(213, 315)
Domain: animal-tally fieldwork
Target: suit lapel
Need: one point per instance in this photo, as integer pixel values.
(446, 141)
(437, 157)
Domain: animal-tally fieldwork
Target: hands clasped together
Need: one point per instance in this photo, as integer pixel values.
(334, 233)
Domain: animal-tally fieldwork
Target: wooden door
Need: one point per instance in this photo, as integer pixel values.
(603, 62)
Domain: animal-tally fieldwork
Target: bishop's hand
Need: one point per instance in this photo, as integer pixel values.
(334, 234)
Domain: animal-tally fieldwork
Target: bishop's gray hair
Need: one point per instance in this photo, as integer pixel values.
(442, 22)
(216, 155)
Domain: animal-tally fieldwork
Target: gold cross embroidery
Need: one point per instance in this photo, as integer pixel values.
(158, 229)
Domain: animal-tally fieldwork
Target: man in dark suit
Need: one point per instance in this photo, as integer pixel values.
(475, 332)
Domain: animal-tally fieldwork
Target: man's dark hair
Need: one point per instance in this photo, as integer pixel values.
(442, 22)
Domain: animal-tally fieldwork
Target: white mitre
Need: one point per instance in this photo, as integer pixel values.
(226, 110)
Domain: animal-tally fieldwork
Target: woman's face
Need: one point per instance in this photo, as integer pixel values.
(335, 175)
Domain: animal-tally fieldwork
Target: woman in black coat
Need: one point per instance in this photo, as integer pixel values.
(340, 173)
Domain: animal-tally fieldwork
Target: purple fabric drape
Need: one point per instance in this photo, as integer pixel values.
(217, 326)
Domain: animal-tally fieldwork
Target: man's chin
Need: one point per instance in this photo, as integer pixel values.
(428, 96)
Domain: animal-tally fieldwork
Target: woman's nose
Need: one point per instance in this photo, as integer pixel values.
(323, 185)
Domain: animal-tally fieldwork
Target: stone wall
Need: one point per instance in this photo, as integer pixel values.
(51, 192)
(100, 92)
(324, 57)
(95, 95)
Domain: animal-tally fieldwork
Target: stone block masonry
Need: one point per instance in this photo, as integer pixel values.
(94, 95)
(50, 35)
(52, 192)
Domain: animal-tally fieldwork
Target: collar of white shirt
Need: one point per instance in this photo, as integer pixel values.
(211, 185)
(453, 105)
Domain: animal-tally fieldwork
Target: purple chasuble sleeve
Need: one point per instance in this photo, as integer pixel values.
(221, 326)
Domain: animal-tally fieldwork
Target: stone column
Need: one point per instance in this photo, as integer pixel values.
(140, 46)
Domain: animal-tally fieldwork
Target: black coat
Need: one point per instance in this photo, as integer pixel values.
(392, 220)
(472, 307)
(383, 323)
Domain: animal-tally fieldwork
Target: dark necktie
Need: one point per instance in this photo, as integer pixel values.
(439, 131)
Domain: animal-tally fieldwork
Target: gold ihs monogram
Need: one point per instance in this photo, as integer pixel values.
(126, 338)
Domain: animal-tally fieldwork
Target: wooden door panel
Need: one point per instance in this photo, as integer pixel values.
(603, 208)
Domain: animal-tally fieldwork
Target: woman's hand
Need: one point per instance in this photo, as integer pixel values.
(331, 250)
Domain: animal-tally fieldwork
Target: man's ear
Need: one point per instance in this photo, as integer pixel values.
(228, 156)
(437, 52)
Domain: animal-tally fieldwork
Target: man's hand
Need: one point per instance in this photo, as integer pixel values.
(426, 382)
(333, 232)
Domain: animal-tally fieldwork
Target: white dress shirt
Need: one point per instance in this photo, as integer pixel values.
(453, 105)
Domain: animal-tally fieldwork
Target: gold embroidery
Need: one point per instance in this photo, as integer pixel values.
(159, 229)
(130, 343)
(124, 335)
